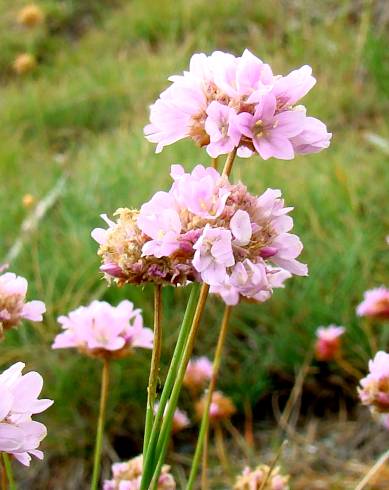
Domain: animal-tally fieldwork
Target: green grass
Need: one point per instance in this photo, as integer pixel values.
(81, 112)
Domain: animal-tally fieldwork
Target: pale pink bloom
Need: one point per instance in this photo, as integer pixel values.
(375, 303)
(205, 103)
(198, 372)
(180, 418)
(160, 220)
(222, 407)
(374, 391)
(270, 132)
(100, 234)
(213, 254)
(201, 191)
(221, 125)
(241, 228)
(327, 345)
(20, 436)
(101, 329)
(127, 476)
(288, 247)
(13, 305)
(253, 479)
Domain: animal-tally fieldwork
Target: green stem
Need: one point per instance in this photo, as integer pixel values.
(204, 427)
(148, 463)
(154, 368)
(100, 424)
(8, 472)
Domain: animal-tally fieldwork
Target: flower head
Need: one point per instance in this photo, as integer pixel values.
(223, 102)
(13, 305)
(375, 303)
(180, 418)
(253, 479)
(102, 330)
(24, 63)
(19, 434)
(374, 390)
(127, 476)
(198, 372)
(327, 345)
(221, 407)
(31, 15)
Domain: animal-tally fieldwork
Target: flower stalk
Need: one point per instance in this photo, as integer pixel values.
(204, 427)
(8, 472)
(100, 424)
(154, 369)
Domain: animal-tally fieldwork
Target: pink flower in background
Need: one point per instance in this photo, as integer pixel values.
(254, 479)
(127, 476)
(20, 436)
(224, 101)
(13, 305)
(103, 330)
(180, 418)
(375, 303)
(221, 408)
(328, 342)
(198, 372)
(374, 391)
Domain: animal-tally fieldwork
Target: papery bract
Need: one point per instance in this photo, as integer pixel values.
(327, 346)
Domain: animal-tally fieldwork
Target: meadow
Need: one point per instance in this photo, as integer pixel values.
(74, 123)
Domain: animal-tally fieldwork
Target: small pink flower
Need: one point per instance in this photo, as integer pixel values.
(327, 345)
(313, 138)
(104, 330)
(291, 88)
(213, 254)
(374, 391)
(13, 305)
(180, 418)
(221, 125)
(269, 132)
(375, 303)
(198, 372)
(20, 436)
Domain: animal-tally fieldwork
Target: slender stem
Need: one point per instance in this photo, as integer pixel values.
(220, 449)
(229, 162)
(204, 472)
(273, 465)
(215, 163)
(148, 464)
(348, 368)
(8, 472)
(369, 331)
(381, 461)
(3, 475)
(154, 368)
(204, 428)
(100, 424)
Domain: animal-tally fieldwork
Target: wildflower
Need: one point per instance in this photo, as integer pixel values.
(24, 63)
(221, 407)
(198, 372)
(180, 419)
(102, 330)
(31, 15)
(327, 345)
(20, 436)
(223, 102)
(375, 303)
(28, 200)
(253, 479)
(13, 305)
(374, 391)
(127, 476)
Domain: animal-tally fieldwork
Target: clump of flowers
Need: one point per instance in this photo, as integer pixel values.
(20, 436)
(13, 304)
(31, 15)
(24, 63)
(374, 390)
(224, 101)
(204, 229)
(375, 303)
(103, 330)
(253, 479)
(180, 419)
(328, 343)
(221, 407)
(127, 476)
(198, 372)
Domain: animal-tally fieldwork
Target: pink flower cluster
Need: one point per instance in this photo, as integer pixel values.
(20, 436)
(13, 305)
(327, 345)
(223, 102)
(103, 330)
(374, 391)
(254, 479)
(127, 476)
(198, 372)
(375, 303)
(234, 241)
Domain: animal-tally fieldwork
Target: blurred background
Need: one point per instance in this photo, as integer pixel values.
(76, 84)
